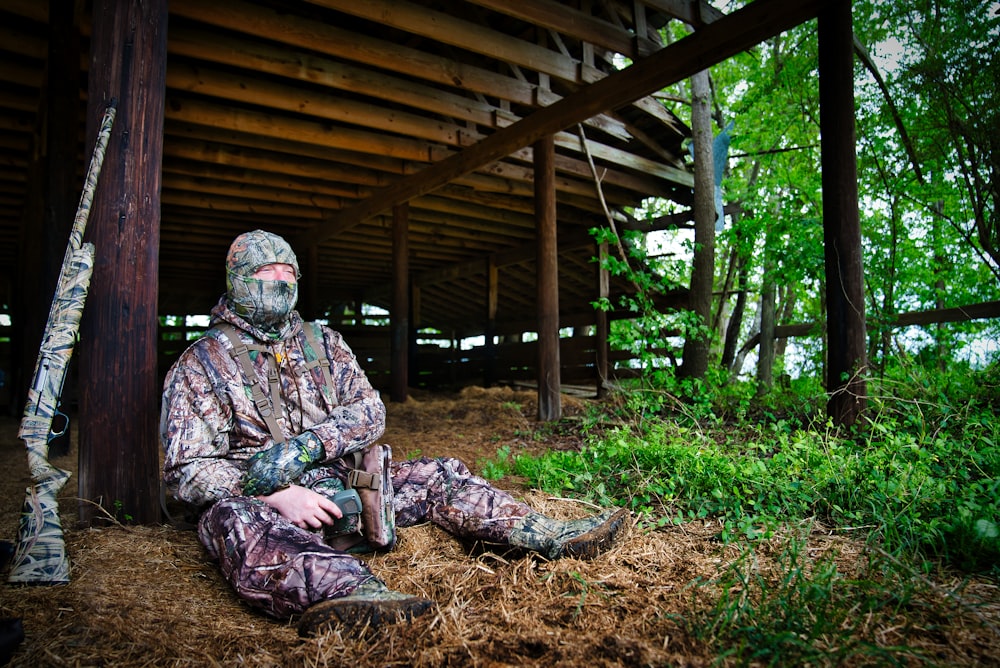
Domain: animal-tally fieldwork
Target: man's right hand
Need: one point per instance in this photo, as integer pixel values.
(281, 464)
(303, 507)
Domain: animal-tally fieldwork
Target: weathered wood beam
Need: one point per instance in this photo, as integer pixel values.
(342, 43)
(547, 282)
(457, 32)
(573, 23)
(330, 40)
(956, 314)
(601, 326)
(300, 65)
(400, 311)
(281, 126)
(505, 258)
(847, 361)
(353, 145)
(249, 88)
(477, 39)
(693, 12)
(716, 42)
(119, 466)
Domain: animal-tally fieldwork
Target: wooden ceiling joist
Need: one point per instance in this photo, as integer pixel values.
(314, 119)
(713, 43)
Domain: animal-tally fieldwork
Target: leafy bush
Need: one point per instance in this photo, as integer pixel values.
(922, 478)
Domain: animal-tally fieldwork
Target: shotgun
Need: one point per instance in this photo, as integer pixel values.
(40, 557)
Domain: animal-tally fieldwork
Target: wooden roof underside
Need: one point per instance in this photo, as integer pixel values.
(312, 119)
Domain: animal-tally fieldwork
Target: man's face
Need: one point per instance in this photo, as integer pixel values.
(276, 272)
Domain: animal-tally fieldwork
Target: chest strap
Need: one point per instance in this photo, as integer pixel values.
(241, 353)
(322, 361)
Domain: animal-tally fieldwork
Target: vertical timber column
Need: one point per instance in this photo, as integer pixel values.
(53, 193)
(399, 318)
(119, 399)
(547, 280)
(847, 358)
(309, 284)
(601, 320)
(492, 292)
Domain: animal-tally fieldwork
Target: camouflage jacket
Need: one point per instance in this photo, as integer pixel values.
(210, 426)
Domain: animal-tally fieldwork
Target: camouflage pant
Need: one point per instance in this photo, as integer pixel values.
(281, 569)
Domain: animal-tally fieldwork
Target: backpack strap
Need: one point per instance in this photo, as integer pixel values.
(241, 353)
(321, 361)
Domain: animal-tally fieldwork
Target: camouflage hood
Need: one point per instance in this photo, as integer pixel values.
(264, 304)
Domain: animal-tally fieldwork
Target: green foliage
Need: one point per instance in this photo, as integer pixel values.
(494, 469)
(805, 613)
(921, 479)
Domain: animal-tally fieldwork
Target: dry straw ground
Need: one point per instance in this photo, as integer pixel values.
(147, 596)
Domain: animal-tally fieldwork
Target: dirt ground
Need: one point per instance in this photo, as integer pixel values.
(148, 596)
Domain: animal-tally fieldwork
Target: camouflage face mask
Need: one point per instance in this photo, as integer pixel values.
(263, 303)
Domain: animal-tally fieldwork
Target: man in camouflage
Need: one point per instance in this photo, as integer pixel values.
(261, 515)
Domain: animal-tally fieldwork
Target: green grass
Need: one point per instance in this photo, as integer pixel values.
(918, 483)
(927, 493)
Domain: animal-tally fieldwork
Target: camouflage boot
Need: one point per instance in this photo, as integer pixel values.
(371, 605)
(583, 539)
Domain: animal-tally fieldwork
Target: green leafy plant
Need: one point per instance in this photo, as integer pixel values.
(804, 612)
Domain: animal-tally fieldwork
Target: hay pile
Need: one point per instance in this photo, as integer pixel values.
(148, 596)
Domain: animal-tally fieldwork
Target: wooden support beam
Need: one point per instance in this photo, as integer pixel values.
(847, 362)
(601, 325)
(492, 302)
(309, 284)
(547, 283)
(52, 199)
(400, 315)
(572, 23)
(119, 448)
(713, 43)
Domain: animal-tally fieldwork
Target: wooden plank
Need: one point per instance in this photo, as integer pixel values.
(572, 23)
(449, 29)
(331, 40)
(280, 126)
(249, 88)
(716, 42)
(302, 66)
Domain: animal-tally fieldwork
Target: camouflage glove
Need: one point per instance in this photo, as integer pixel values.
(281, 464)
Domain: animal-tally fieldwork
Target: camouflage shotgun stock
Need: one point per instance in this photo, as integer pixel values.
(41, 551)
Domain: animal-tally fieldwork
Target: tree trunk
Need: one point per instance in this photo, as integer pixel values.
(765, 356)
(697, 343)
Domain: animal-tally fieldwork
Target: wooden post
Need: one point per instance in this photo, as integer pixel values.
(359, 318)
(53, 193)
(119, 398)
(601, 321)
(309, 285)
(547, 280)
(492, 291)
(847, 361)
(399, 318)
